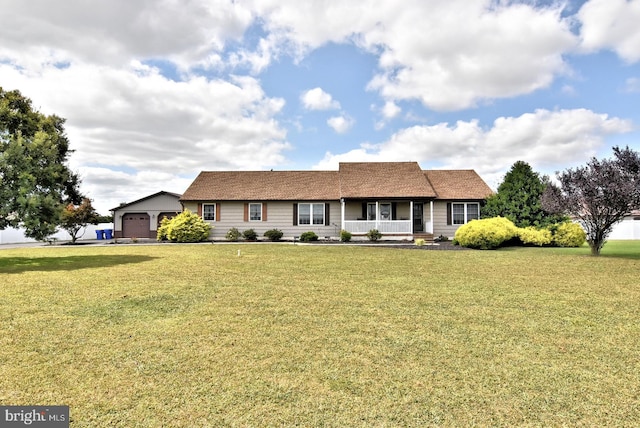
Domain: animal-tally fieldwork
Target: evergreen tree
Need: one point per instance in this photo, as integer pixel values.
(518, 198)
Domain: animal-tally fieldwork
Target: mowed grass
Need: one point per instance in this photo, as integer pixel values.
(331, 336)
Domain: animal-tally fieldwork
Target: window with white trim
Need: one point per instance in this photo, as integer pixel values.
(462, 213)
(311, 214)
(209, 212)
(255, 212)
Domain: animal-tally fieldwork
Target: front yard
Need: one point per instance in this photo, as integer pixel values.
(286, 335)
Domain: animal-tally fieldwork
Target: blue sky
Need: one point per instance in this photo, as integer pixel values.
(155, 92)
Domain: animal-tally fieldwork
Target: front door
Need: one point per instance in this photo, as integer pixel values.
(418, 220)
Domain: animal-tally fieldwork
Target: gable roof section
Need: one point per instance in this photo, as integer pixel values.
(263, 186)
(384, 180)
(458, 184)
(162, 192)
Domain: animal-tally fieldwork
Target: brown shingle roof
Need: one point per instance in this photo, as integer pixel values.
(263, 185)
(384, 180)
(353, 180)
(458, 184)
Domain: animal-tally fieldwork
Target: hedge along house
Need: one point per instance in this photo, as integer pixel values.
(398, 199)
(141, 218)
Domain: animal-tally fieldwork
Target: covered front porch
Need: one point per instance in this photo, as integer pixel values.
(389, 217)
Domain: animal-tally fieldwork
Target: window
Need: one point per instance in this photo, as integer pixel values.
(371, 211)
(255, 212)
(209, 212)
(311, 214)
(385, 211)
(465, 212)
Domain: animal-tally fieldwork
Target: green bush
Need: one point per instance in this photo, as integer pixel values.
(486, 234)
(345, 236)
(250, 235)
(569, 234)
(273, 235)
(233, 234)
(185, 227)
(308, 236)
(374, 235)
(534, 236)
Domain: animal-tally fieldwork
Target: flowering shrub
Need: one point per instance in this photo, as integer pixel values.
(569, 235)
(185, 227)
(486, 234)
(534, 236)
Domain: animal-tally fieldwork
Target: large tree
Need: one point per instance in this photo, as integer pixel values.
(35, 181)
(518, 198)
(598, 195)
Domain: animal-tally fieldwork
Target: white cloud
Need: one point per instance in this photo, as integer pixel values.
(317, 99)
(138, 119)
(113, 32)
(340, 124)
(545, 139)
(448, 54)
(390, 110)
(611, 24)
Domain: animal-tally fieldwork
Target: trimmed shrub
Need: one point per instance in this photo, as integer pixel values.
(374, 235)
(273, 235)
(308, 236)
(569, 234)
(534, 236)
(486, 234)
(419, 242)
(185, 227)
(250, 235)
(345, 236)
(233, 234)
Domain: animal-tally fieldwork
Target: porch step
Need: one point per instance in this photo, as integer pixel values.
(428, 237)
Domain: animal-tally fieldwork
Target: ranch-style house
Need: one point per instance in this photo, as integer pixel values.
(399, 199)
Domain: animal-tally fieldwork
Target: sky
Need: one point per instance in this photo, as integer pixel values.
(155, 91)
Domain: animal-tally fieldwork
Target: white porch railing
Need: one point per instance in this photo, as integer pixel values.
(383, 226)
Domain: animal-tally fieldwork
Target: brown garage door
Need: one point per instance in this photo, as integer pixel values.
(136, 225)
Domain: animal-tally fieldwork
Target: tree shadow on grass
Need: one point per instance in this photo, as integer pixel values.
(52, 264)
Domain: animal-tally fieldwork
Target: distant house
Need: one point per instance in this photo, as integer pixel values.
(399, 199)
(140, 218)
(628, 228)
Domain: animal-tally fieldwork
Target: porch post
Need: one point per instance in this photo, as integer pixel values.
(411, 214)
(342, 211)
(377, 215)
(431, 216)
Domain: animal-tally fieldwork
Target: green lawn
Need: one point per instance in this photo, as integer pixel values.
(294, 335)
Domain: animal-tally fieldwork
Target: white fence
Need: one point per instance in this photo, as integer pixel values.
(626, 229)
(16, 236)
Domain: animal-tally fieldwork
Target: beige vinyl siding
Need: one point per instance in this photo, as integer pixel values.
(440, 226)
(279, 216)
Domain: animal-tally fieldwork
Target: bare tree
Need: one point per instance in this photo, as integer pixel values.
(598, 195)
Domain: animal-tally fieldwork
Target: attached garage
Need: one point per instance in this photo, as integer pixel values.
(136, 225)
(141, 218)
